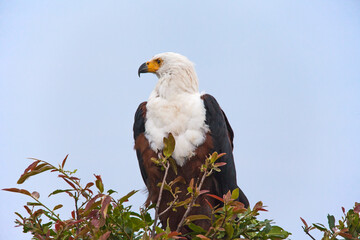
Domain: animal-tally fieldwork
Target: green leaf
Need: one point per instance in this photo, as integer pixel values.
(173, 165)
(33, 204)
(331, 221)
(169, 145)
(214, 157)
(110, 191)
(19, 215)
(44, 167)
(50, 216)
(278, 232)
(99, 184)
(196, 228)
(158, 230)
(127, 196)
(235, 194)
(319, 226)
(229, 231)
(57, 207)
(197, 217)
(60, 191)
(167, 187)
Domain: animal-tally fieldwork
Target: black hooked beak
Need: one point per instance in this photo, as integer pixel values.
(143, 69)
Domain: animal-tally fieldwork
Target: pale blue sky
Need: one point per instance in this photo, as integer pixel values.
(287, 74)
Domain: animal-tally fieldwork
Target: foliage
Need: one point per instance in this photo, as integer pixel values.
(98, 215)
(348, 227)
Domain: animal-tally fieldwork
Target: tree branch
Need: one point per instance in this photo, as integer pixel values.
(191, 204)
(171, 205)
(167, 166)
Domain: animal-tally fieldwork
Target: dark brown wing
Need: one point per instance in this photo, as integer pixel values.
(139, 129)
(222, 135)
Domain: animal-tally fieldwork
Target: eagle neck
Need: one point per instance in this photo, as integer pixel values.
(174, 83)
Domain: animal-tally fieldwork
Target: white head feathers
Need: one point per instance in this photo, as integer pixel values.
(176, 75)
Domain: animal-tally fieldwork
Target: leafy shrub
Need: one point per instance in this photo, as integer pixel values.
(348, 227)
(97, 215)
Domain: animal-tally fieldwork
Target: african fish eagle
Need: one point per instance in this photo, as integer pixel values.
(199, 127)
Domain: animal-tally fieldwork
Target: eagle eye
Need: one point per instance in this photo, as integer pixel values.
(158, 61)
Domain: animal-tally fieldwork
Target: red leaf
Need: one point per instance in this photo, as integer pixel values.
(76, 222)
(306, 226)
(63, 162)
(357, 208)
(58, 225)
(346, 235)
(70, 183)
(23, 191)
(98, 177)
(216, 197)
(105, 204)
(220, 164)
(209, 204)
(259, 207)
(202, 237)
(227, 196)
(28, 210)
(91, 202)
(31, 166)
(69, 193)
(96, 223)
(89, 191)
(37, 169)
(38, 212)
(173, 234)
(90, 184)
(105, 235)
(73, 214)
(203, 191)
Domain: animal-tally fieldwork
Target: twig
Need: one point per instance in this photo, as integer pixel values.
(52, 212)
(159, 199)
(172, 204)
(307, 232)
(191, 204)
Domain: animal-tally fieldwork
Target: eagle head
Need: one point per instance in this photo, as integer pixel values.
(174, 71)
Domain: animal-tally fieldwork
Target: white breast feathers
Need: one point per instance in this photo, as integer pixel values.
(183, 116)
